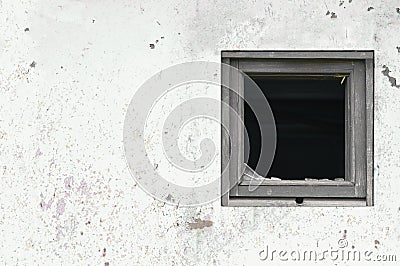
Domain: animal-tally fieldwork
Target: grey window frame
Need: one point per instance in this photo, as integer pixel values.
(357, 188)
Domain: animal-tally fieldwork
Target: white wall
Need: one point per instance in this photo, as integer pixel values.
(66, 192)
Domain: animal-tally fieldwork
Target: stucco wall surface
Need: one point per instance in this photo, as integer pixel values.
(68, 70)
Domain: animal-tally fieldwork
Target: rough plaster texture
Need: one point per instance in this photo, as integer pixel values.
(68, 71)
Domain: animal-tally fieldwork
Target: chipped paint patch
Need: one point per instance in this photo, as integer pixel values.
(46, 205)
(200, 224)
(60, 208)
(68, 182)
(392, 80)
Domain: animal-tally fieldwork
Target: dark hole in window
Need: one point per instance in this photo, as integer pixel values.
(299, 200)
(310, 123)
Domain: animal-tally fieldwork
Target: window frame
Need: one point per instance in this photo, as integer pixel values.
(357, 188)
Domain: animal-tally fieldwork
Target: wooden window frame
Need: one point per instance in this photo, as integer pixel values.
(357, 187)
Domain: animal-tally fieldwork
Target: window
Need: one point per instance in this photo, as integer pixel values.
(322, 107)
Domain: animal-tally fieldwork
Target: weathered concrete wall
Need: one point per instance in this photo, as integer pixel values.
(68, 71)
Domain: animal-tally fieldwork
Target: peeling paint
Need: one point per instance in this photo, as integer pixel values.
(68, 182)
(60, 208)
(38, 153)
(45, 206)
(59, 233)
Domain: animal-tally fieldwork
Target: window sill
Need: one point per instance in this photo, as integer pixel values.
(291, 202)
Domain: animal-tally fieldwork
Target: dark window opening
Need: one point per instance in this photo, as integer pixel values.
(309, 114)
